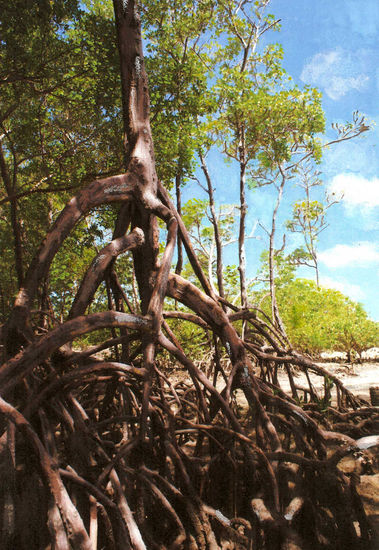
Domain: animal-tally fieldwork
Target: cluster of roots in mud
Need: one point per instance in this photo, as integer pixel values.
(205, 473)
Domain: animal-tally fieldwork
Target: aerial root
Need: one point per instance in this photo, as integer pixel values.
(115, 454)
(193, 482)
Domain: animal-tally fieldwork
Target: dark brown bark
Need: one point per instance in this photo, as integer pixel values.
(73, 523)
(136, 110)
(97, 269)
(16, 368)
(16, 229)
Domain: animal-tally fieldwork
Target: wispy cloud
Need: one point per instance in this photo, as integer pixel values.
(355, 190)
(362, 254)
(354, 292)
(337, 72)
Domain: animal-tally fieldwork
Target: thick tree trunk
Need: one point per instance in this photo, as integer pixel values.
(136, 111)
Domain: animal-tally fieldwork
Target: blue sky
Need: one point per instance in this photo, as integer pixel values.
(332, 46)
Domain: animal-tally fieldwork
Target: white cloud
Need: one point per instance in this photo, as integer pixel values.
(353, 291)
(359, 254)
(337, 72)
(355, 190)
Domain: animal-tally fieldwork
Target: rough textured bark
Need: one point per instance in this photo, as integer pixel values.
(136, 110)
(97, 269)
(76, 532)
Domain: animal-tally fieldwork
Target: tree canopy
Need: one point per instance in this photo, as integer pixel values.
(323, 319)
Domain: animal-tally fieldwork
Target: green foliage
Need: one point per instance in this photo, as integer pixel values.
(178, 61)
(308, 218)
(274, 123)
(306, 213)
(284, 269)
(257, 102)
(300, 256)
(196, 217)
(68, 268)
(59, 115)
(320, 319)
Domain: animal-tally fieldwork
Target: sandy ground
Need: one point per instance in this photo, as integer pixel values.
(357, 378)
